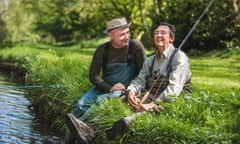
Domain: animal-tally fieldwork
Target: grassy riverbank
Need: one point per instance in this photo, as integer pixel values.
(211, 116)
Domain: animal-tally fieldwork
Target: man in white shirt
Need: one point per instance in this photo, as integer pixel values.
(164, 75)
(172, 64)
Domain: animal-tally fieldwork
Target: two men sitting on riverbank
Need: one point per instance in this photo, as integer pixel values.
(164, 74)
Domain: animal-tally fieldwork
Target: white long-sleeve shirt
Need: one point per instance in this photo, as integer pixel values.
(179, 74)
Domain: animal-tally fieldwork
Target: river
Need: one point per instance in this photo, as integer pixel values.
(18, 123)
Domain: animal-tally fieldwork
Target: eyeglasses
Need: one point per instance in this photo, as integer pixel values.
(160, 32)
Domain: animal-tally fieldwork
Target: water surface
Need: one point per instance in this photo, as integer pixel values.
(18, 123)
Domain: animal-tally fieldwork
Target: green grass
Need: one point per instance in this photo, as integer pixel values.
(212, 115)
(65, 68)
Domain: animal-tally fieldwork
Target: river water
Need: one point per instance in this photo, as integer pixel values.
(18, 123)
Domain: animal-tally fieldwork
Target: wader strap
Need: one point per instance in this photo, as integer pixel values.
(105, 55)
(169, 66)
(187, 85)
(129, 53)
(151, 66)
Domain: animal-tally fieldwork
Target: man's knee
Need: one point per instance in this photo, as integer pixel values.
(123, 98)
(77, 111)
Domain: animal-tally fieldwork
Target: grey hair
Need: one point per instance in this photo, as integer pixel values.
(171, 27)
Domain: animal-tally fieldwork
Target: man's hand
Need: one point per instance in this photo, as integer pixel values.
(133, 100)
(149, 107)
(118, 86)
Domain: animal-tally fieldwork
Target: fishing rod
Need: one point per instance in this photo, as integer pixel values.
(179, 48)
(195, 25)
(39, 86)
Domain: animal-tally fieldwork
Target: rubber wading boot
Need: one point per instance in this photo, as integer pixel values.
(82, 132)
(118, 129)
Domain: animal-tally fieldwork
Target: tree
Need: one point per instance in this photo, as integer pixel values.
(78, 20)
(3, 29)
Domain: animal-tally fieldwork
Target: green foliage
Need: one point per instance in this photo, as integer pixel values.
(74, 21)
(19, 23)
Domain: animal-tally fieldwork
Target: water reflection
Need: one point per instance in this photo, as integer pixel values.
(18, 125)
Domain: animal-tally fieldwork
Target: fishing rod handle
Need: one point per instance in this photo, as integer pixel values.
(148, 92)
(144, 97)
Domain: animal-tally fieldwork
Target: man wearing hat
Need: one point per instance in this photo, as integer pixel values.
(114, 64)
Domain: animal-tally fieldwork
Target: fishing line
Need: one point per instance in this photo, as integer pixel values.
(38, 86)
